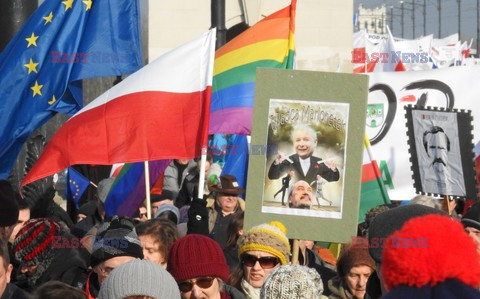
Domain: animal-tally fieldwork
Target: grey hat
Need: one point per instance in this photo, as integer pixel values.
(168, 207)
(384, 224)
(292, 281)
(103, 188)
(139, 278)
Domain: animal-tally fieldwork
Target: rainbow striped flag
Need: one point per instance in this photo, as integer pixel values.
(373, 192)
(128, 190)
(269, 43)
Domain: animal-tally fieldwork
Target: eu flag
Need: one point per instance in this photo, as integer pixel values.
(64, 41)
(76, 185)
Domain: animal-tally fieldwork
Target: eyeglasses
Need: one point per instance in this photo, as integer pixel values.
(266, 262)
(201, 282)
(143, 215)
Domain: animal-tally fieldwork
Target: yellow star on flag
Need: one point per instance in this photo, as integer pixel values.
(53, 100)
(68, 4)
(88, 4)
(37, 89)
(48, 19)
(31, 66)
(32, 40)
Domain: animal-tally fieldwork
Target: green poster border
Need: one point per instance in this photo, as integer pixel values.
(310, 86)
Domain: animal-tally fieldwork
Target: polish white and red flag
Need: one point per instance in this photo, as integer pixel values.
(159, 112)
(392, 63)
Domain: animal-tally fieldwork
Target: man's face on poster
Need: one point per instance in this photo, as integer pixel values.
(303, 143)
(301, 196)
(437, 149)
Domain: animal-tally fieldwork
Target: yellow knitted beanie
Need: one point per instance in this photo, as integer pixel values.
(268, 237)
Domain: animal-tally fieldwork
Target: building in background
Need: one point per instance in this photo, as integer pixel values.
(372, 20)
(323, 33)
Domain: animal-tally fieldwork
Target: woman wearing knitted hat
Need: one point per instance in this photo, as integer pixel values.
(354, 268)
(198, 265)
(262, 249)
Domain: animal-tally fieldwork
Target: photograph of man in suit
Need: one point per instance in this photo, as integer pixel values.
(306, 166)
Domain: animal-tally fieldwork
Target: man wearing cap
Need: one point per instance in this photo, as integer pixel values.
(46, 251)
(156, 200)
(116, 243)
(213, 216)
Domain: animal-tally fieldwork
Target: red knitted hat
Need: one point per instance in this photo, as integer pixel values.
(429, 250)
(33, 242)
(196, 256)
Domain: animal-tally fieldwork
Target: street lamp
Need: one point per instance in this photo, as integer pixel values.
(401, 7)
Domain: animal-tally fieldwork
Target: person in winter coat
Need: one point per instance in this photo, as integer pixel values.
(262, 249)
(200, 269)
(354, 269)
(46, 252)
(8, 290)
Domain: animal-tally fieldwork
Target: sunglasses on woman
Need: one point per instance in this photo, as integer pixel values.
(266, 262)
(201, 282)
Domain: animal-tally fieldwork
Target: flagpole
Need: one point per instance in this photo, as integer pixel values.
(147, 190)
(201, 179)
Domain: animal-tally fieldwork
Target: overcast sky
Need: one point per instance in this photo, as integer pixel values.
(449, 19)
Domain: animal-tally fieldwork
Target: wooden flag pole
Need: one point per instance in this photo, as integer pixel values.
(201, 179)
(295, 250)
(147, 190)
(446, 205)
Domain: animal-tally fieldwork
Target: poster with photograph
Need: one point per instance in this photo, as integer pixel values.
(306, 175)
(313, 124)
(442, 151)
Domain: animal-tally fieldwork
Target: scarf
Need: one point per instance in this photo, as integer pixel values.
(249, 291)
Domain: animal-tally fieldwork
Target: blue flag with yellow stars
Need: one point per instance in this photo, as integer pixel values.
(62, 43)
(76, 185)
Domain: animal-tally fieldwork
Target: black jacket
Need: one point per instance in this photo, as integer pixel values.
(14, 292)
(277, 170)
(69, 265)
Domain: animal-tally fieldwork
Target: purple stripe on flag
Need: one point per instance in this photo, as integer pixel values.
(231, 121)
(133, 200)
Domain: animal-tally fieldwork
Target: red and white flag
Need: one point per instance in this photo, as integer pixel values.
(159, 112)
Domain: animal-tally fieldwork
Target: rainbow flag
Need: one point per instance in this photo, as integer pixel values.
(373, 192)
(128, 190)
(269, 43)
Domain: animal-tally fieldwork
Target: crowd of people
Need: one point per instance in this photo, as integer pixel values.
(197, 248)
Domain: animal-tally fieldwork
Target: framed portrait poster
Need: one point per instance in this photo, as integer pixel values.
(315, 122)
(441, 151)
